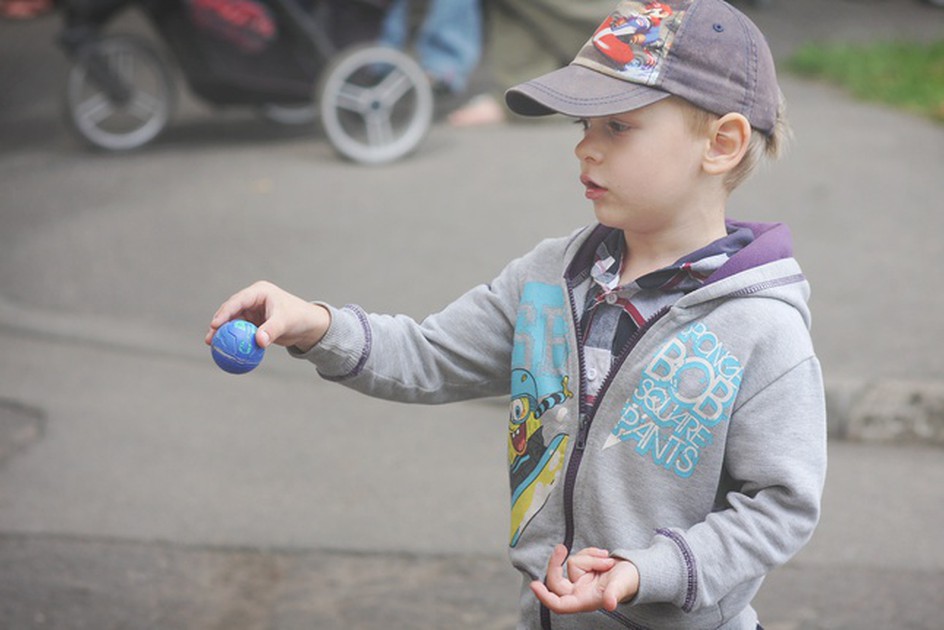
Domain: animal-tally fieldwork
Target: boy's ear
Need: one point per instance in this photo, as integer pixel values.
(728, 140)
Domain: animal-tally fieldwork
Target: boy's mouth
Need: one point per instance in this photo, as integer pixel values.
(593, 190)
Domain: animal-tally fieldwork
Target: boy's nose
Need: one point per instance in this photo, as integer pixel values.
(586, 149)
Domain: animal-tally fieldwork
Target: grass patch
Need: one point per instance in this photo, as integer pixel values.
(905, 75)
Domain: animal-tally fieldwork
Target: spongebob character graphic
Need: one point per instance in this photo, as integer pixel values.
(534, 461)
(621, 37)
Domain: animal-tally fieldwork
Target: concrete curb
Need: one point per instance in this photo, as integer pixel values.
(895, 411)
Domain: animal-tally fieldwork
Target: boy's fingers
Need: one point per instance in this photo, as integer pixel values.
(225, 313)
(231, 309)
(559, 555)
(581, 564)
(545, 596)
(590, 559)
(560, 604)
(555, 568)
(246, 304)
(228, 309)
(540, 591)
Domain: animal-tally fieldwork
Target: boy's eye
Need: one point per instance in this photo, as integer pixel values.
(616, 126)
(613, 126)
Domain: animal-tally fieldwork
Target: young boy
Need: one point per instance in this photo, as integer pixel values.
(666, 442)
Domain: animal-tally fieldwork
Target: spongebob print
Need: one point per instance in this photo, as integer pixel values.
(533, 464)
(536, 447)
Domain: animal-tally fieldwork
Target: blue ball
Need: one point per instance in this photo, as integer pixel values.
(234, 347)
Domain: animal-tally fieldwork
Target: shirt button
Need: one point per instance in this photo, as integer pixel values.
(591, 374)
(611, 298)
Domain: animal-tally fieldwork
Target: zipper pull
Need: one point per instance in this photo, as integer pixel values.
(582, 430)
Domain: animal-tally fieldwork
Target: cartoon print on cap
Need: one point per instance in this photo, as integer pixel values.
(633, 40)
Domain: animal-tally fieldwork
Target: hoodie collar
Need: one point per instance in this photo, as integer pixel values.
(771, 242)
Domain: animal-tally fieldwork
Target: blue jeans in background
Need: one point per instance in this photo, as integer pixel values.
(449, 42)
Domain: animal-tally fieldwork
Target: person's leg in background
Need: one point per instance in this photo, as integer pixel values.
(449, 42)
(524, 39)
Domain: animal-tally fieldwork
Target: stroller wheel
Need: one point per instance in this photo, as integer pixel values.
(119, 93)
(376, 104)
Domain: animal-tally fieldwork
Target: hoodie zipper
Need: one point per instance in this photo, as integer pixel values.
(583, 427)
(588, 414)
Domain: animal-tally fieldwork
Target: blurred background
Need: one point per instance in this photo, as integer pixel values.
(141, 487)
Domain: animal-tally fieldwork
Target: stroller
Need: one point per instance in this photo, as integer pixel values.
(293, 62)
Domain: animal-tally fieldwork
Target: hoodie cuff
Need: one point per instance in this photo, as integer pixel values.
(344, 349)
(667, 571)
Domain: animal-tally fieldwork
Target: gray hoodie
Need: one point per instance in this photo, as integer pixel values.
(702, 460)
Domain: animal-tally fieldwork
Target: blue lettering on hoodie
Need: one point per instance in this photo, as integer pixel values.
(686, 390)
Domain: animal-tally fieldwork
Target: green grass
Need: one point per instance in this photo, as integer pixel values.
(905, 75)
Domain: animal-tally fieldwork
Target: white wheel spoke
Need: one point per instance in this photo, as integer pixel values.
(379, 130)
(94, 109)
(393, 87)
(353, 98)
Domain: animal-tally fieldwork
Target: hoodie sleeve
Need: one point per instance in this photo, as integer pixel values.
(462, 352)
(777, 456)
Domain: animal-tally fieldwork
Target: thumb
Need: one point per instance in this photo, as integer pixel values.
(272, 327)
(263, 338)
(610, 598)
(614, 592)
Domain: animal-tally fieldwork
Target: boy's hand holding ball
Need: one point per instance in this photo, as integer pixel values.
(285, 319)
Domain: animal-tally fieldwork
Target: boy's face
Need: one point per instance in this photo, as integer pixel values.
(642, 169)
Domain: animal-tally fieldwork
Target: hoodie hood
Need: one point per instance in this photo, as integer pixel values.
(772, 241)
(765, 267)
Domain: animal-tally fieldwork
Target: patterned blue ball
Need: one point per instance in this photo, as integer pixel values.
(234, 347)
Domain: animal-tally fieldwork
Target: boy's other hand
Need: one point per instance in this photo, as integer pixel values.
(594, 580)
(282, 318)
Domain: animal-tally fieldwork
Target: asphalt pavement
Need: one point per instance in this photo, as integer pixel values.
(140, 487)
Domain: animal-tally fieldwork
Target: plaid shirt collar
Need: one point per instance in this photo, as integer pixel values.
(685, 275)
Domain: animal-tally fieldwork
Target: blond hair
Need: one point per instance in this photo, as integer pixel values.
(760, 146)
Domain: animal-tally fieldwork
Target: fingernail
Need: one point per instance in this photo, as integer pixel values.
(264, 336)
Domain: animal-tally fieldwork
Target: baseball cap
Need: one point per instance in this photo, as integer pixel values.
(704, 51)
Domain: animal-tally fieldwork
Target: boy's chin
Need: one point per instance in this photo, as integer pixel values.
(608, 218)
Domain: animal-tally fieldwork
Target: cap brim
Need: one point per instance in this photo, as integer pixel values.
(578, 91)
